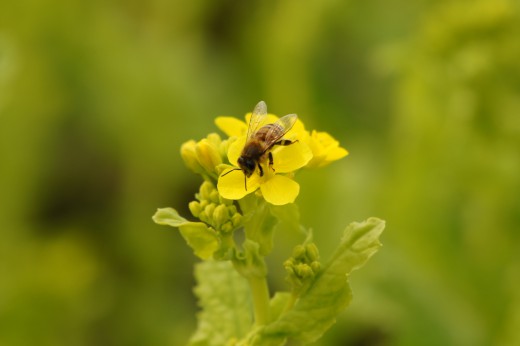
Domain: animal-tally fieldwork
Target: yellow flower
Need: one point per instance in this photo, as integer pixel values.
(325, 149)
(276, 185)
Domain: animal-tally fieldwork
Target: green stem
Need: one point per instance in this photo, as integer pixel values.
(255, 270)
(260, 292)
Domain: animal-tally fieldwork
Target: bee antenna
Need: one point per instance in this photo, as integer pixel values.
(245, 182)
(234, 169)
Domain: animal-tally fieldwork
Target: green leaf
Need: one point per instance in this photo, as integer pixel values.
(202, 239)
(330, 293)
(225, 300)
(169, 217)
(278, 303)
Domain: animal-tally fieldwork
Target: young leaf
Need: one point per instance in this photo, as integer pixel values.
(226, 304)
(201, 238)
(330, 293)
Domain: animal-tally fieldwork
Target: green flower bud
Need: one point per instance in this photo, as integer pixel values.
(203, 203)
(220, 215)
(316, 266)
(195, 208)
(312, 252)
(205, 191)
(208, 211)
(302, 267)
(304, 271)
(214, 196)
(227, 227)
(236, 219)
(223, 217)
(299, 252)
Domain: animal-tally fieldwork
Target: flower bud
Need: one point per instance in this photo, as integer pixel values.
(220, 215)
(312, 252)
(227, 227)
(315, 266)
(302, 267)
(210, 208)
(190, 157)
(299, 252)
(208, 155)
(214, 196)
(205, 191)
(195, 208)
(236, 219)
(303, 271)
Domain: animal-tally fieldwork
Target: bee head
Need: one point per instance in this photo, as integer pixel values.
(247, 165)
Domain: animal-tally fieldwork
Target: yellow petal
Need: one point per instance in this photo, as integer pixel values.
(235, 149)
(231, 126)
(336, 154)
(291, 157)
(280, 190)
(232, 185)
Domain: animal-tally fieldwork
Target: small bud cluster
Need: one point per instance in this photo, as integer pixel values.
(211, 208)
(303, 266)
(205, 156)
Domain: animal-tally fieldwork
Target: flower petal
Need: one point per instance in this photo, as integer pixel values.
(336, 154)
(235, 149)
(231, 126)
(232, 186)
(325, 149)
(280, 190)
(291, 157)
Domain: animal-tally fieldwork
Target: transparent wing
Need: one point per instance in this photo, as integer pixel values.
(258, 115)
(278, 129)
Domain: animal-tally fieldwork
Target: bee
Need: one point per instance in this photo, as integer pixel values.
(260, 141)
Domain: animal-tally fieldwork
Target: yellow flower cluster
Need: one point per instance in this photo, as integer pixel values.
(309, 149)
(217, 159)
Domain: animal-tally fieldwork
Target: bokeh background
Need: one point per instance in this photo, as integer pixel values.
(96, 98)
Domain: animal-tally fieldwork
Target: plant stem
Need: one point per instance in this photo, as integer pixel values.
(260, 293)
(254, 268)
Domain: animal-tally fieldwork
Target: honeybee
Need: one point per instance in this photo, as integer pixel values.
(260, 141)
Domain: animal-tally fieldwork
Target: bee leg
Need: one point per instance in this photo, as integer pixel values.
(270, 155)
(285, 142)
(261, 170)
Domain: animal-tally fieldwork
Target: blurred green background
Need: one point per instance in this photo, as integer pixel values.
(97, 96)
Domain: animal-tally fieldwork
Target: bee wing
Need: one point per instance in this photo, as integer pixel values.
(279, 129)
(258, 115)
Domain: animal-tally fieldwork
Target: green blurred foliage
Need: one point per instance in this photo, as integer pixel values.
(96, 98)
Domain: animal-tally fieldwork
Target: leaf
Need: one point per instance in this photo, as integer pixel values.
(278, 304)
(201, 238)
(330, 293)
(226, 304)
